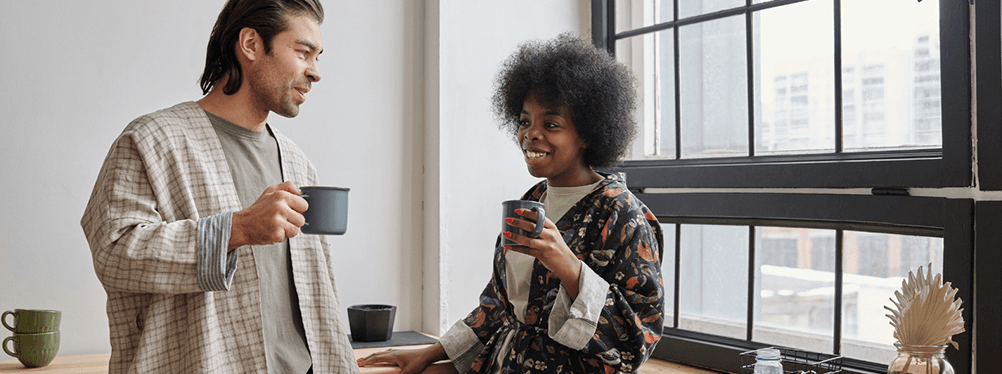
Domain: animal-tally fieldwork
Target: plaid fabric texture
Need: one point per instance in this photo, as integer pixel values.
(164, 174)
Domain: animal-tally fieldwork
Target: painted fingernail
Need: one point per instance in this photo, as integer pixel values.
(519, 211)
(506, 234)
(509, 220)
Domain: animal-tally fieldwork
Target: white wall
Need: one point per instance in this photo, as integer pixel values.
(478, 165)
(73, 74)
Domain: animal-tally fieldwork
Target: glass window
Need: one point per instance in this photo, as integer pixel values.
(689, 8)
(649, 12)
(890, 78)
(665, 10)
(899, 83)
(795, 285)
(713, 279)
(741, 98)
(874, 267)
(665, 85)
(668, 273)
(714, 87)
(795, 289)
(795, 103)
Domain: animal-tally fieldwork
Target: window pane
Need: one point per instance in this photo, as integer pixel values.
(874, 267)
(714, 88)
(891, 88)
(665, 10)
(635, 14)
(665, 88)
(795, 288)
(689, 8)
(668, 273)
(713, 280)
(794, 79)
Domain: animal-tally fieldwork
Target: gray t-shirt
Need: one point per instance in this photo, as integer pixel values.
(255, 162)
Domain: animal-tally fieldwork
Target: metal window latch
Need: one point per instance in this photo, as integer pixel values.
(972, 1)
(885, 191)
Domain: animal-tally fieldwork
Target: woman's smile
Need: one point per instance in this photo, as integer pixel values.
(534, 155)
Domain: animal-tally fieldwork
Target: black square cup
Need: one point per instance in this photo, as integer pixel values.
(371, 322)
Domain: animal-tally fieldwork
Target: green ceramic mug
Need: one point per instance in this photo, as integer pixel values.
(33, 350)
(31, 321)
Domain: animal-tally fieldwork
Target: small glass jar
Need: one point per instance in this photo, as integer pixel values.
(768, 361)
(925, 359)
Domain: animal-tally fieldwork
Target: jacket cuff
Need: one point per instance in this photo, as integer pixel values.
(573, 323)
(462, 346)
(215, 264)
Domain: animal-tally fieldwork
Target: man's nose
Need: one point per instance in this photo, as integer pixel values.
(313, 74)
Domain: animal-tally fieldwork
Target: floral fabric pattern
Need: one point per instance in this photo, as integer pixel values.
(616, 236)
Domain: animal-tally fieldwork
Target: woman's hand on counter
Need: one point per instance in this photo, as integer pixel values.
(410, 361)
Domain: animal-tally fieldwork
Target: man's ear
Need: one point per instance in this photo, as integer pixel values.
(249, 44)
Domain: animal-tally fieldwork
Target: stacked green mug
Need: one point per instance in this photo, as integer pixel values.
(36, 336)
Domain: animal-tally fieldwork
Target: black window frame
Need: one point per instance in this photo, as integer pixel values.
(970, 227)
(945, 167)
(950, 219)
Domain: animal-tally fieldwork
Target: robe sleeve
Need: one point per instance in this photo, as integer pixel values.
(461, 345)
(215, 263)
(467, 339)
(134, 247)
(573, 322)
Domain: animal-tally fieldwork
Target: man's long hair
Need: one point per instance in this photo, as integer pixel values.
(267, 17)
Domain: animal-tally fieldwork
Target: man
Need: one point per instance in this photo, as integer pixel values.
(204, 272)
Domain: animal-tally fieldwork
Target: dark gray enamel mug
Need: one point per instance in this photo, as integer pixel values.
(328, 211)
(508, 210)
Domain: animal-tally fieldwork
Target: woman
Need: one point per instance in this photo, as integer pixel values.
(586, 295)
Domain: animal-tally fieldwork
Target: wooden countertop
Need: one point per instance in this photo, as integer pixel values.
(84, 364)
(652, 366)
(98, 363)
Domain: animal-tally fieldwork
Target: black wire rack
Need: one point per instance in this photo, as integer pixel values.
(796, 362)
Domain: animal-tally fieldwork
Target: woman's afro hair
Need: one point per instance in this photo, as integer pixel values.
(569, 72)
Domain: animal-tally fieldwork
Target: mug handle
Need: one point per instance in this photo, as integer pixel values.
(12, 354)
(540, 221)
(4, 320)
(305, 196)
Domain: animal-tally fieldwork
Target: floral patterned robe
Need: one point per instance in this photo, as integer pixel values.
(616, 236)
